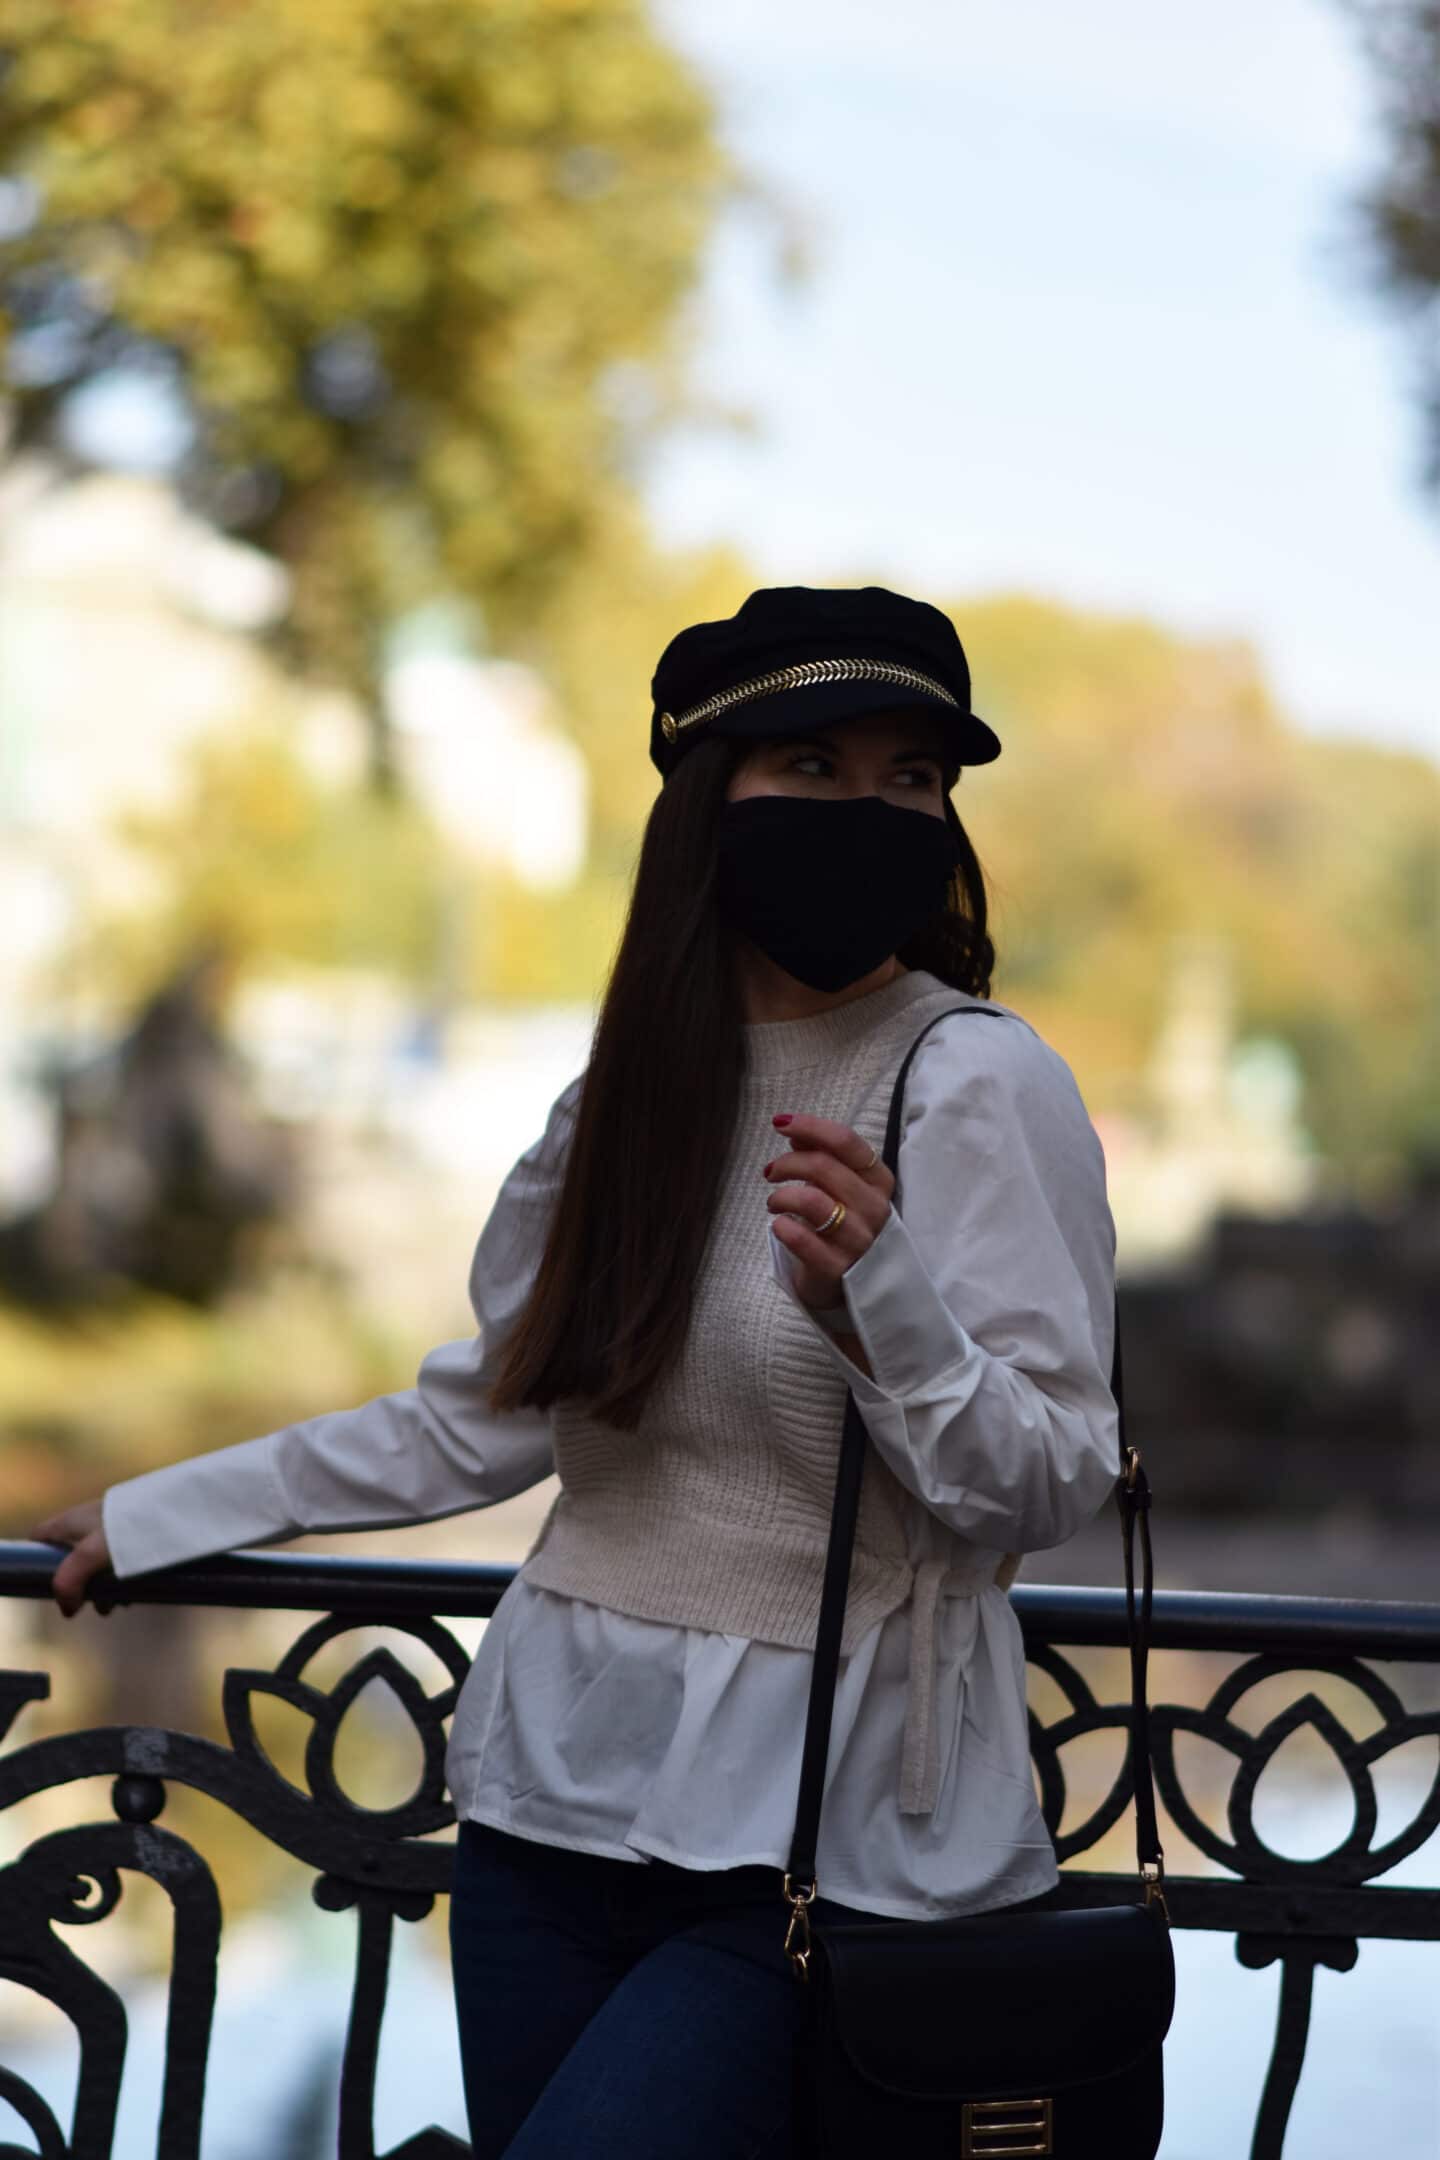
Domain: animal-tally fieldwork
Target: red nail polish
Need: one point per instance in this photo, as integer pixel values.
(784, 1120)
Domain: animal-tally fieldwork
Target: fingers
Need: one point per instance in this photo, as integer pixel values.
(75, 1570)
(68, 1583)
(827, 1162)
(814, 1206)
(68, 1525)
(826, 1177)
(822, 1260)
(804, 1132)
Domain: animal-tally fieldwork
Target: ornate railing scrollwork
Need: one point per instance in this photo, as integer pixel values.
(386, 1865)
(1245, 1852)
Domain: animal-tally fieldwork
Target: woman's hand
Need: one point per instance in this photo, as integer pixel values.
(827, 1162)
(80, 1528)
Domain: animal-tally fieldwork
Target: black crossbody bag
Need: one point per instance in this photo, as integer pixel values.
(1035, 2032)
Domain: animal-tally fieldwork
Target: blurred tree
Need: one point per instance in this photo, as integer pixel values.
(411, 267)
(597, 641)
(1402, 209)
(257, 854)
(167, 1172)
(1150, 786)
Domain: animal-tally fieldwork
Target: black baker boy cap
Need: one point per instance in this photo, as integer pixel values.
(796, 658)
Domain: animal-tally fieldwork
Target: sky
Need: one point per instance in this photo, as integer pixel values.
(1086, 316)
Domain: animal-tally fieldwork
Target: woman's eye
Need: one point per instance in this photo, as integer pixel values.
(927, 776)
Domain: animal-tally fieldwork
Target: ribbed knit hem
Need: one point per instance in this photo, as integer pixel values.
(764, 1591)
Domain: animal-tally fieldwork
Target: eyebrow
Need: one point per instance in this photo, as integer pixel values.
(827, 742)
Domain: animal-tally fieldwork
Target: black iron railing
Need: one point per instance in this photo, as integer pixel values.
(1301, 1913)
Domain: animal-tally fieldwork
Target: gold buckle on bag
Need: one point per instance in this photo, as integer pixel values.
(1152, 1875)
(983, 2122)
(797, 1934)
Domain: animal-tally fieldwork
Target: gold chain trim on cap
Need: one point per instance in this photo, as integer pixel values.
(800, 677)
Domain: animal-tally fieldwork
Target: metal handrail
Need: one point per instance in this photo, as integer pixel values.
(1224, 1620)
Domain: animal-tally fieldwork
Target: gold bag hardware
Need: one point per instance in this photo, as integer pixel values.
(1000, 2127)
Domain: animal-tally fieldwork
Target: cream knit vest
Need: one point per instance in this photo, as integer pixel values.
(715, 1512)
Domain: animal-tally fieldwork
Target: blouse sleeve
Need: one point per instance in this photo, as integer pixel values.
(986, 1308)
(430, 1450)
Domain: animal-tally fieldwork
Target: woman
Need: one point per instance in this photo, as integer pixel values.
(624, 1758)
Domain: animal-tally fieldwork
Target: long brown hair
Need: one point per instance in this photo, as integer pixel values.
(611, 1301)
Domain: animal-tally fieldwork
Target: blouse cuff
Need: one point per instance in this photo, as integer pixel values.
(906, 1329)
(908, 1333)
(231, 1495)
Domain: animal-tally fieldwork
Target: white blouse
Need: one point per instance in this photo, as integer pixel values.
(986, 1313)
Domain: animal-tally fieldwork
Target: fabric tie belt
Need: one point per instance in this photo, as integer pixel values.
(919, 1752)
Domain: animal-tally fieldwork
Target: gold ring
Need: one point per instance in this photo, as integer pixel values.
(833, 1220)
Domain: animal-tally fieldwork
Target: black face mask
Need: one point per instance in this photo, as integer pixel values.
(830, 889)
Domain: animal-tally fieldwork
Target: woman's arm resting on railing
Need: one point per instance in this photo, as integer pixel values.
(984, 1313)
(427, 1451)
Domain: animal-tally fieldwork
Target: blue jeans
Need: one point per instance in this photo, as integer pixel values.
(609, 2011)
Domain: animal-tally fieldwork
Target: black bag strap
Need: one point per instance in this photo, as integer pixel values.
(1132, 1493)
